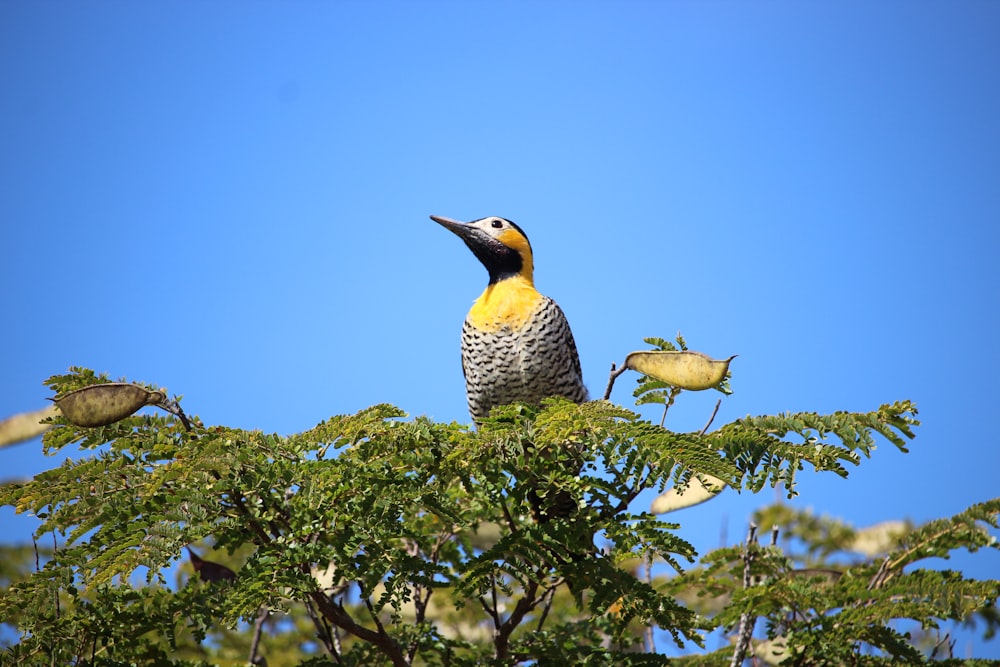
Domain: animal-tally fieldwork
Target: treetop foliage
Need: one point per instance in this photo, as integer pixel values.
(377, 538)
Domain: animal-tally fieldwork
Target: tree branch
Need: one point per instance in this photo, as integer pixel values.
(747, 620)
(257, 627)
(611, 379)
(712, 418)
(323, 632)
(547, 598)
(337, 615)
(524, 605)
(671, 397)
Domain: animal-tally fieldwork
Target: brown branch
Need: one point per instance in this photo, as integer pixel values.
(615, 372)
(337, 615)
(496, 606)
(492, 613)
(547, 598)
(747, 620)
(323, 632)
(254, 524)
(712, 418)
(241, 506)
(881, 576)
(422, 594)
(371, 610)
(55, 549)
(506, 513)
(671, 397)
(649, 642)
(257, 627)
(524, 605)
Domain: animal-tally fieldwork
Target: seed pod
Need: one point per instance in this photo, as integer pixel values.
(701, 489)
(693, 371)
(25, 426)
(103, 404)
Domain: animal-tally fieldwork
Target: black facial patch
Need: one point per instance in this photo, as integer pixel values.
(500, 261)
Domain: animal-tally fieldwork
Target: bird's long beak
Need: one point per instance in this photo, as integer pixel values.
(460, 228)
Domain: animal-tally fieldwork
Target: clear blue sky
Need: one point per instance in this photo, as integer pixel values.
(231, 200)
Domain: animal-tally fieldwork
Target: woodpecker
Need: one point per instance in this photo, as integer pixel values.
(517, 346)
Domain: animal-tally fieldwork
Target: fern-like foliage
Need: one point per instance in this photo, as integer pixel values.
(757, 447)
(376, 538)
(833, 614)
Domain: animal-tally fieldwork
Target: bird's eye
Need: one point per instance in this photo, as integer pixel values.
(497, 224)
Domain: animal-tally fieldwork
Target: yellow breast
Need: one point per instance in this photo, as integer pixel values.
(508, 303)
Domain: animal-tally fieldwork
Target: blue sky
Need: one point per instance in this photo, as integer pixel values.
(231, 200)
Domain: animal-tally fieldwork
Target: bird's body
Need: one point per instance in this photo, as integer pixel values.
(530, 358)
(517, 346)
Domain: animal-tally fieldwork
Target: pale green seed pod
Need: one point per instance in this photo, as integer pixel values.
(693, 371)
(103, 404)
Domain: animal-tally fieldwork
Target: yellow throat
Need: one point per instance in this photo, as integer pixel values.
(509, 303)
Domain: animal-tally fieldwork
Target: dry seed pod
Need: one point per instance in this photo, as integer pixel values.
(693, 371)
(701, 489)
(772, 651)
(103, 404)
(880, 538)
(25, 426)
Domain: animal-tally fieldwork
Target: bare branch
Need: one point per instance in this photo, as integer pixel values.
(337, 615)
(747, 620)
(496, 606)
(649, 643)
(712, 418)
(506, 513)
(547, 597)
(611, 379)
(671, 397)
(257, 627)
(524, 605)
(881, 576)
(323, 631)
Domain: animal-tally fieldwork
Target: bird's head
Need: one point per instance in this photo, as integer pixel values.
(500, 245)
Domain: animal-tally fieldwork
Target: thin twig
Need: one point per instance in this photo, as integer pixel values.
(371, 610)
(712, 418)
(547, 597)
(496, 607)
(747, 620)
(506, 513)
(615, 372)
(489, 610)
(338, 649)
(881, 576)
(174, 408)
(55, 548)
(257, 627)
(323, 631)
(671, 397)
(422, 594)
(945, 641)
(648, 639)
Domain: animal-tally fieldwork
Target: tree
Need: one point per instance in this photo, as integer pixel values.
(375, 538)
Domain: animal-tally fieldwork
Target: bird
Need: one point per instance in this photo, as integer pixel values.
(208, 570)
(517, 346)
